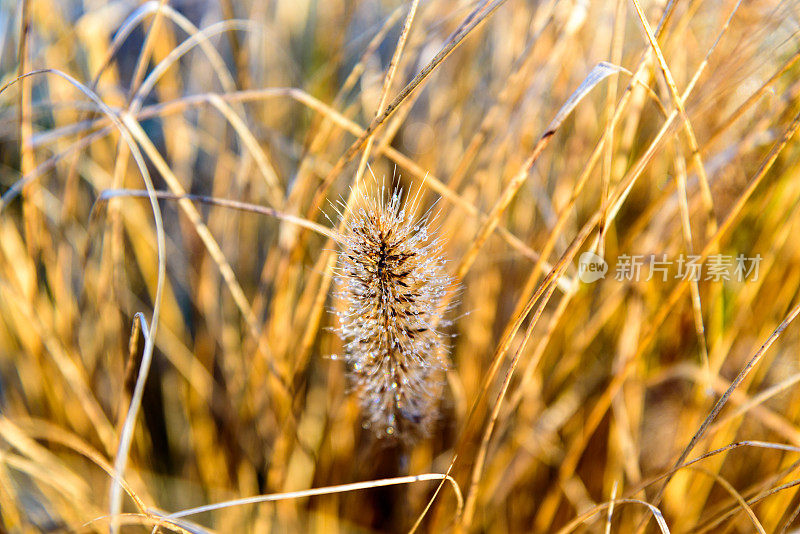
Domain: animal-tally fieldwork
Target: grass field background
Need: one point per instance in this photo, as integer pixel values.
(187, 342)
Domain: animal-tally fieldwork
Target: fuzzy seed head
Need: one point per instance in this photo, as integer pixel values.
(391, 281)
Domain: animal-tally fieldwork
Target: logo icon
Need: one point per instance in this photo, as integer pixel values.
(591, 267)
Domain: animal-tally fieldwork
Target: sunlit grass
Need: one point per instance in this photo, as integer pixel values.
(168, 351)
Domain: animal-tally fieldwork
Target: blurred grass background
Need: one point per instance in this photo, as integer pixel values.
(548, 414)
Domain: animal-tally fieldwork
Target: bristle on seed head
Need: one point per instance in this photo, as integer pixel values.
(390, 280)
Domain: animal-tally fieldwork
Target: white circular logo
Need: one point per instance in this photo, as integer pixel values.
(591, 267)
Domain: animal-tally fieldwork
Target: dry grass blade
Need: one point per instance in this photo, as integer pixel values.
(542, 295)
(147, 49)
(736, 495)
(741, 502)
(127, 432)
(264, 166)
(387, 86)
(222, 202)
(678, 101)
(341, 488)
(595, 76)
(211, 244)
(610, 186)
(145, 520)
(475, 18)
(752, 362)
(428, 179)
(655, 512)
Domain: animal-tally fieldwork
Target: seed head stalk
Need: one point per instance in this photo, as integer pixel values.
(391, 280)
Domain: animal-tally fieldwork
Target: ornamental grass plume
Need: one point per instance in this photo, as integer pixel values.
(391, 280)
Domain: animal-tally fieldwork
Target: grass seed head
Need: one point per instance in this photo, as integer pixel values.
(391, 281)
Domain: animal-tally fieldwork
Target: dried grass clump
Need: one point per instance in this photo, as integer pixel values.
(167, 269)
